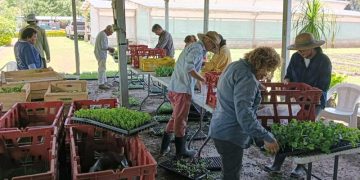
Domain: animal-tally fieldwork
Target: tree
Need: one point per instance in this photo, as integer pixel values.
(314, 18)
(44, 7)
(7, 23)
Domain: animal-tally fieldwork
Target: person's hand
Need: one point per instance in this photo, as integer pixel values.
(286, 81)
(202, 79)
(262, 87)
(47, 60)
(111, 50)
(272, 147)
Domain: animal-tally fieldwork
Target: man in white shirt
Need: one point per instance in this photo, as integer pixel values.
(100, 51)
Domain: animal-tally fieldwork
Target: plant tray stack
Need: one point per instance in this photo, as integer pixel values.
(301, 94)
(34, 75)
(134, 54)
(86, 140)
(211, 81)
(9, 99)
(147, 53)
(29, 154)
(35, 91)
(150, 64)
(66, 91)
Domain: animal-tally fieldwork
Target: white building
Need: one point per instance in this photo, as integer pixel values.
(244, 23)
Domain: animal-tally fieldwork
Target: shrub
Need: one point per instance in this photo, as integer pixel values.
(336, 79)
(7, 29)
(56, 33)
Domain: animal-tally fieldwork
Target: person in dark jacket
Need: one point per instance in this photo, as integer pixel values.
(165, 40)
(311, 66)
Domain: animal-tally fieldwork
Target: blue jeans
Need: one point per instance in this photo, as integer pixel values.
(231, 157)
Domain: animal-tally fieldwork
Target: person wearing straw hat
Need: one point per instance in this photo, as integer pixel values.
(41, 44)
(181, 89)
(311, 66)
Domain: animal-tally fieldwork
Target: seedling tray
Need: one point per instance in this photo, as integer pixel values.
(213, 163)
(170, 166)
(112, 128)
(157, 130)
(162, 118)
(136, 86)
(341, 146)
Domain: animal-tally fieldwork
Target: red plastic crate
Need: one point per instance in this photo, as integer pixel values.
(212, 79)
(146, 53)
(300, 94)
(34, 114)
(1, 107)
(38, 146)
(85, 140)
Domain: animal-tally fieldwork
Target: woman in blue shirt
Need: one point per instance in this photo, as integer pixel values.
(27, 57)
(234, 122)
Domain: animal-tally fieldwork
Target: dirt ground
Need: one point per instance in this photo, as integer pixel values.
(253, 160)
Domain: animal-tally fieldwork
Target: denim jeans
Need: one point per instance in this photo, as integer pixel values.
(231, 157)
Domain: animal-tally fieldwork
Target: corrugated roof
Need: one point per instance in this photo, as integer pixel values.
(243, 5)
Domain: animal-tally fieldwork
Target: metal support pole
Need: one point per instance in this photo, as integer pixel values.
(286, 29)
(308, 174)
(120, 28)
(77, 57)
(167, 15)
(336, 165)
(206, 15)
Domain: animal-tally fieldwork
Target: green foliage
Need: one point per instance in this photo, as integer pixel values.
(164, 71)
(311, 17)
(94, 75)
(310, 136)
(191, 169)
(7, 29)
(134, 101)
(336, 79)
(162, 118)
(165, 108)
(118, 117)
(56, 33)
(11, 89)
(50, 33)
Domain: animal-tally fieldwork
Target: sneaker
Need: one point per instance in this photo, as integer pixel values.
(104, 87)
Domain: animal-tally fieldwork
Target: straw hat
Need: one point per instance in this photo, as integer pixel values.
(31, 18)
(305, 41)
(213, 37)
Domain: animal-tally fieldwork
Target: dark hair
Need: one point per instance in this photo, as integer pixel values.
(28, 33)
(223, 41)
(156, 27)
(189, 37)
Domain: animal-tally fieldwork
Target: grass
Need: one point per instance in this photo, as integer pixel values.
(63, 58)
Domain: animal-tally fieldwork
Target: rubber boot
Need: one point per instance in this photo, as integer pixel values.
(298, 172)
(276, 166)
(165, 144)
(181, 150)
